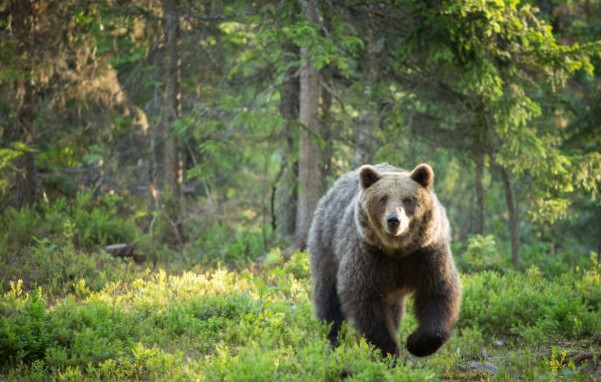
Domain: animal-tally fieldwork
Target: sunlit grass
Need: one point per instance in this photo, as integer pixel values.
(258, 324)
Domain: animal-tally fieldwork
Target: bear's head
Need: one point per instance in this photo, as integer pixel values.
(399, 210)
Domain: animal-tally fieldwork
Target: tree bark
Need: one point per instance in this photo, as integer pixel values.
(326, 116)
(513, 217)
(310, 180)
(481, 127)
(368, 121)
(326, 121)
(479, 153)
(23, 27)
(287, 192)
(168, 159)
(171, 172)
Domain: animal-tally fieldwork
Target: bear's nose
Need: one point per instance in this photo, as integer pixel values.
(393, 221)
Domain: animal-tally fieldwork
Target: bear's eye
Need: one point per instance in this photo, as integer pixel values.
(383, 200)
(408, 202)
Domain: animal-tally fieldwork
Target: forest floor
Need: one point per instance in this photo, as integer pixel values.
(141, 322)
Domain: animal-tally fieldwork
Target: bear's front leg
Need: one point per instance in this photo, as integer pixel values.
(437, 309)
(372, 316)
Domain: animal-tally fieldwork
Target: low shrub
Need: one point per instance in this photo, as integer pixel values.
(86, 222)
(259, 324)
(223, 244)
(517, 303)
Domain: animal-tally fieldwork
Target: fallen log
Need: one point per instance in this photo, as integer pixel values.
(125, 251)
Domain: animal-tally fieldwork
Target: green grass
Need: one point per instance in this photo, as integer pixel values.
(69, 312)
(257, 324)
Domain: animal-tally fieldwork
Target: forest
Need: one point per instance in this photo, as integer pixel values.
(161, 160)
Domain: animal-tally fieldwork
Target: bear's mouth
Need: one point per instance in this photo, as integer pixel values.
(396, 228)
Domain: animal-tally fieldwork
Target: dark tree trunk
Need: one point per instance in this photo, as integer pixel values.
(169, 166)
(26, 177)
(365, 138)
(171, 173)
(326, 121)
(310, 180)
(287, 191)
(513, 218)
(23, 27)
(479, 152)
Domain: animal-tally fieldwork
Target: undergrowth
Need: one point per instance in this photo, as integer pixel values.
(68, 313)
(258, 324)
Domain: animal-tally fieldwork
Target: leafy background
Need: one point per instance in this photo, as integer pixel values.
(500, 97)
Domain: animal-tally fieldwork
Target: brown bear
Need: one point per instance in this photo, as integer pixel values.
(378, 235)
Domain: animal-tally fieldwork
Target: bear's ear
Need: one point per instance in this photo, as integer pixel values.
(368, 176)
(423, 174)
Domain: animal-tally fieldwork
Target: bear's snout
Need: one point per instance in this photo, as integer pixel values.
(393, 222)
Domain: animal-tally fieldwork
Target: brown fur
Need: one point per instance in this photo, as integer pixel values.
(379, 234)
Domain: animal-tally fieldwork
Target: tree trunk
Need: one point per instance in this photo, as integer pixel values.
(287, 192)
(170, 113)
(310, 180)
(368, 121)
(326, 122)
(169, 166)
(513, 218)
(479, 152)
(23, 27)
(481, 127)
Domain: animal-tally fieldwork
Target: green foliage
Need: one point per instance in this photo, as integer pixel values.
(225, 244)
(46, 247)
(258, 324)
(453, 78)
(298, 266)
(26, 335)
(503, 64)
(489, 253)
(60, 268)
(551, 261)
(324, 50)
(7, 157)
(530, 306)
(589, 283)
(85, 222)
(482, 253)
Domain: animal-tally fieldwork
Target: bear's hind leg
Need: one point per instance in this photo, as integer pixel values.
(397, 309)
(374, 319)
(328, 309)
